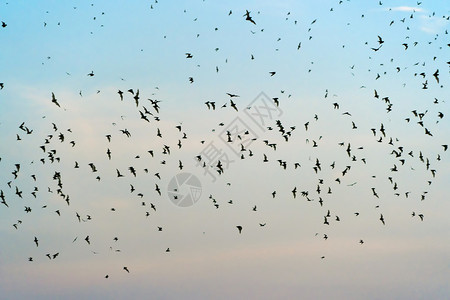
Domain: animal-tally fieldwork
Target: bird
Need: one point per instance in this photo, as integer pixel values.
(233, 105)
(248, 17)
(239, 227)
(54, 100)
(210, 105)
(436, 75)
(232, 95)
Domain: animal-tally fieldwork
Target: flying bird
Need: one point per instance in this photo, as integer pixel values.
(248, 17)
(54, 100)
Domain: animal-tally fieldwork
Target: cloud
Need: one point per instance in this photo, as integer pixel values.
(432, 25)
(406, 9)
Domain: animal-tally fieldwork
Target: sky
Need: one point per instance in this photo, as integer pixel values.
(332, 179)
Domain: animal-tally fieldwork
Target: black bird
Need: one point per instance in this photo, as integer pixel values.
(93, 168)
(210, 105)
(232, 95)
(436, 75)
(2, 196)
(233, 105)
(248, 18)
(54, 100)
(136, 98)
(380, 40)
(382, 219)
(239, 228)
(374, 192)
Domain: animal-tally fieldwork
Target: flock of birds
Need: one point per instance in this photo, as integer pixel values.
(148, 111)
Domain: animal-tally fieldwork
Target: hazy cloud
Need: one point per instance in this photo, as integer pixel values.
(407, 9)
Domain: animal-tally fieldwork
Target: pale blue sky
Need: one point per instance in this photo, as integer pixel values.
(50, 47)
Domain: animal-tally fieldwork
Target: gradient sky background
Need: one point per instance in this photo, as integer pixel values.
(50, 47)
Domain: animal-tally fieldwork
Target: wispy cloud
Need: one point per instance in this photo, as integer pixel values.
(406, 9)
(433, 25)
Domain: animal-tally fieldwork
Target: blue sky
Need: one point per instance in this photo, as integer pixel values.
(51, 47)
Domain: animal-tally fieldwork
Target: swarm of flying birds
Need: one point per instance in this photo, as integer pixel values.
(148, 110)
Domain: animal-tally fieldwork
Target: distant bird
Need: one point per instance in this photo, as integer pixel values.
(210, 105)
(248, 17)
(239, 228)
(233, 105)
(436, 75)
(54, 100)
